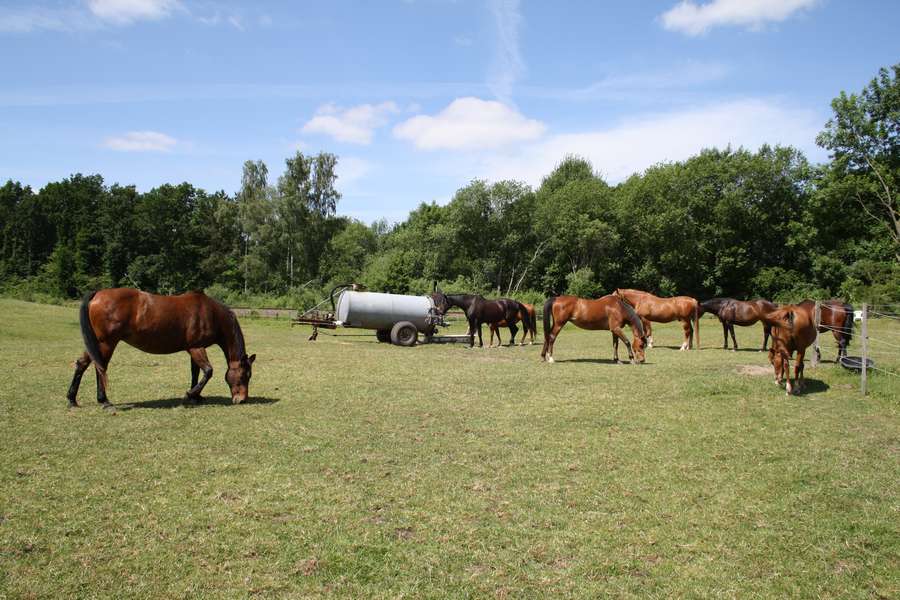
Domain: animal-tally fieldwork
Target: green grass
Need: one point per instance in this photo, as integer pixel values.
(366, 470)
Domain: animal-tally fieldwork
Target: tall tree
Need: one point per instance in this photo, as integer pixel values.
(863, 136)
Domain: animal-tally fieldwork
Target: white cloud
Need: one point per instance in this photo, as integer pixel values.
(354, 125)
(632, 146)
(25, 20)
(123, 12)
(507, 65)
(141, 141)
(351, 169)
(470, 123)
(695, 19)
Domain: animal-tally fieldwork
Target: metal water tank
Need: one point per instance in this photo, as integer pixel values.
(373, 310)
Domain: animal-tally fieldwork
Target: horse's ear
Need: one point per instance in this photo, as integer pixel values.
(251, 358)
(434, 285)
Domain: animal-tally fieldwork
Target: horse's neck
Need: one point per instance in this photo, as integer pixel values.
(463, 301)
(231, 338)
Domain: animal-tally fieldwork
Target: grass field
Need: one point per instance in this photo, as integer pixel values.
(365, 470)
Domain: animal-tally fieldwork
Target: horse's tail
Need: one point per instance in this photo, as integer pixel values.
(548, 318)
(91, 344)
(636, 325)
(697, 322)
(847, 330)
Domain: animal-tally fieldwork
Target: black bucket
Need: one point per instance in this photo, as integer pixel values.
(855, 363)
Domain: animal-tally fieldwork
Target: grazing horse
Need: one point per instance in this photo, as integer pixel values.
(835, 316)
(793, 330)
(479, 311)
(609, 312)
(529, 326)
(161, 325)
(733, 312)
(665, 310)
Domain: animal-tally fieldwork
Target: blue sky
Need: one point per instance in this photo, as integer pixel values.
(417, 97)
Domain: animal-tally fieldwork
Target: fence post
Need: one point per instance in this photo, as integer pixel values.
(865, 346)
(816, 353)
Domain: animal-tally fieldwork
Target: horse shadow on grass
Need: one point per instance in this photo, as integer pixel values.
(207, 401)
(596, 361)
(813, 386)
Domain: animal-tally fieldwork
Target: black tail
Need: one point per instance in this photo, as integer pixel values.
(848, 324)
(548, 318)
(91, 344)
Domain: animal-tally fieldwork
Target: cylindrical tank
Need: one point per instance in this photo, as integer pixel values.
(372, 310)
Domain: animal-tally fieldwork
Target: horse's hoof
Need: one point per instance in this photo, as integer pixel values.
(73, 404)
(550, 359)
(109, 408)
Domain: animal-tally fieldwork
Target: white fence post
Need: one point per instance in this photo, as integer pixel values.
(865, 346)
(816, 353)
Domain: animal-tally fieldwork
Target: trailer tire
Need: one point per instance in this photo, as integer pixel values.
(404, 333)
(383, 336)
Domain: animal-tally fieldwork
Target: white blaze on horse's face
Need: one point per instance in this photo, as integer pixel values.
(238, 378)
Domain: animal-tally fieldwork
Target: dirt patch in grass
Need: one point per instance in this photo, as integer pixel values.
(755, 370)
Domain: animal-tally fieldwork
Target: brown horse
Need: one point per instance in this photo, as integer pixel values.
(161, 325)
(733, 312)
(793, 330)
(835, 316)
(665, 310)
(479, 311)
(609, 312)
(529, 326)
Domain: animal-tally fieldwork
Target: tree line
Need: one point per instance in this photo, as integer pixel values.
(730, 222)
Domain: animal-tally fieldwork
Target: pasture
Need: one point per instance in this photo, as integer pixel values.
(360, 469)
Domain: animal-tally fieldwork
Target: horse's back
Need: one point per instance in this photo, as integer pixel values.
(154, 323)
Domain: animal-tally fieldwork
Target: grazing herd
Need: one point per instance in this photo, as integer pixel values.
(192, 322)
(792, 328)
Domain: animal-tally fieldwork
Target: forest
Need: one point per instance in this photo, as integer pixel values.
(726, 222)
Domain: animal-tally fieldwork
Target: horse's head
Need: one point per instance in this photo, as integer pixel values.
(638, 344)
(441, 302)
(238, 377)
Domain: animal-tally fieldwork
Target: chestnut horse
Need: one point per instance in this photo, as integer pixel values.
(835, 316)
(609, 312)
(528, 327)
(733, 312)
(161, 325)
(665, 310)
(479, 310)
(793, 330)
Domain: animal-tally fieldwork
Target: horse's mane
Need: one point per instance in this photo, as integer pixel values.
(237, 335)
(633, 318)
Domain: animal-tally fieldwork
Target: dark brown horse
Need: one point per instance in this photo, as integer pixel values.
(529, 326)
(733, 312)
(479, 310)
(793, 330)
(835, 316)
(161, 325)
(665, 310)
(609, 312)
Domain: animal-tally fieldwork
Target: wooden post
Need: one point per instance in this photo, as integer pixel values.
(865, 346)
(818, 320)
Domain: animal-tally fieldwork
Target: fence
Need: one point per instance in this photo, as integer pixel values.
(878, 337)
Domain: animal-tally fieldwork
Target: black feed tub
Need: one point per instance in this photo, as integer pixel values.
(855, 363)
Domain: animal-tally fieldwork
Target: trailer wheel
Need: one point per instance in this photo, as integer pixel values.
(383, 336)
(404, 333)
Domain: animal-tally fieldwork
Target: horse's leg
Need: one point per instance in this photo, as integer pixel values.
(106, 352)
(725, 333)
(688, 341)
(472, 325)
(81, 366)
(767, 331)
(733, 339)
(618, 334)
(497, 331)
(615, 341)
(648, 329)
(199, 361)
(798, 370)
(480, 342)
(513, 330)
(551, 339)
